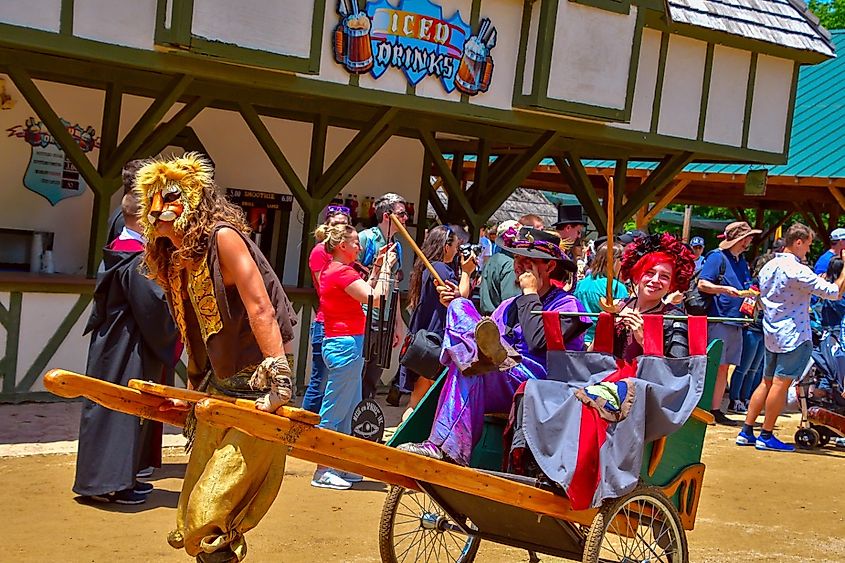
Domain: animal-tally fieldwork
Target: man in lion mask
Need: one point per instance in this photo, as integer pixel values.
(235, 321)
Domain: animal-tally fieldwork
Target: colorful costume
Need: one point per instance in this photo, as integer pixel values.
(232, 478)
(474, 384)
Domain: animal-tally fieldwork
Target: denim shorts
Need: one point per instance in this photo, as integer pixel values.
(790, 364)
(731, 337)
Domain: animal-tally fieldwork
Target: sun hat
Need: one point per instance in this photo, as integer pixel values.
(735, 232)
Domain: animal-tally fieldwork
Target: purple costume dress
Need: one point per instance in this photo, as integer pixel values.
(465, 400)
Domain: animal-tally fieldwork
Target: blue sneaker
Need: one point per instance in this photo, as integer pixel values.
(744, 439)
(773, 444)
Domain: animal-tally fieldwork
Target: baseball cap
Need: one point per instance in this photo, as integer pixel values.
(698, 241)
(837, 234)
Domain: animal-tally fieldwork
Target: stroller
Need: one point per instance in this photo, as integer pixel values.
(819, 393)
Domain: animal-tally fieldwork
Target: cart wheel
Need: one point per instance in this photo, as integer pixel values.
(642, 526)
(414, 528)
(824, 435)
(807, 438)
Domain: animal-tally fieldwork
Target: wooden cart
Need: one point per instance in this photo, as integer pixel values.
(437, 511)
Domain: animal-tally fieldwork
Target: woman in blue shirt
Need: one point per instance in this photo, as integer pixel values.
(594, 285)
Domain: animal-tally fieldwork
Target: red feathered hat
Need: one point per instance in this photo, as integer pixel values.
(659, 245)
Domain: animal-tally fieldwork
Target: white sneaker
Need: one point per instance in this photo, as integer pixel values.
(349, 476)
(330, 480)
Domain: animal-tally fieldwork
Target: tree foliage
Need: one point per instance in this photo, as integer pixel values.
(831, 13)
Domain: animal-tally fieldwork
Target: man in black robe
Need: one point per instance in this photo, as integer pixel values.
(132, 336)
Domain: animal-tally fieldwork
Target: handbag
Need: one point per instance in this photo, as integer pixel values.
(421, 353)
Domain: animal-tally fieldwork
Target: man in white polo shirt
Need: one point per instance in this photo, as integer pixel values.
(786, 286)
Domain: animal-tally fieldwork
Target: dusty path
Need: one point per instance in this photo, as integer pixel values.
(756, 507)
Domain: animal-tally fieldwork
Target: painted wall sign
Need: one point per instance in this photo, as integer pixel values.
(49, 172)
(414, 37)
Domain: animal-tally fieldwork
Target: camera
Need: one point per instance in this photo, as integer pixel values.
(467, 249)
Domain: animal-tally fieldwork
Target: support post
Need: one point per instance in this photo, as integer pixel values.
(576, 176)
(668, 168)
(685, 231)
(667, 198)
(450, 183)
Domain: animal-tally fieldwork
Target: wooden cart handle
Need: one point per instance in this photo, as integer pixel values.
(400, 228)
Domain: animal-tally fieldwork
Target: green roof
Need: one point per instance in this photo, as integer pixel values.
(817, 142)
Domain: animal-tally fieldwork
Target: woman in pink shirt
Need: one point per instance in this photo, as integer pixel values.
(342, 292)
(319, 259)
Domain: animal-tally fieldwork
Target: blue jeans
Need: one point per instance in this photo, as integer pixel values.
(743, 377)
(313, 399)
(344, 357)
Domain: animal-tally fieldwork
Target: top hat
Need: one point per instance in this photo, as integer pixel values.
(534, 243)
(570, 215)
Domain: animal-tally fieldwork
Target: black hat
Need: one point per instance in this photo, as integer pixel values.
(535, 243)
(570, 215)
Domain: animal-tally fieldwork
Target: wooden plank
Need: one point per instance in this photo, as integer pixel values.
(274, 153)
(57, 129)
(575, 175)
(370, 455)
(166, 132)
(665, 200)
(450, 182)
(299, 415)
(668, 168)
(837, 195)
(147, 123)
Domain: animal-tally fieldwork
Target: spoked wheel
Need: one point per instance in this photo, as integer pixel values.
(414, 528)
(807, 438)
(641, 527)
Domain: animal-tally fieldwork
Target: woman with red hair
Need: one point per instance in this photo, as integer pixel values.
(656, 265)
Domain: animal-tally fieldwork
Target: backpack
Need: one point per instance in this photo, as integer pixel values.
(697, 303)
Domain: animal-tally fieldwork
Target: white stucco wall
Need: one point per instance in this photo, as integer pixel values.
(276, 27)
(121, 23)
(641, 108)
(21, 208)
(506, 16)
(41, 314)
(726, 102)
(37, 14)
(680, 102)
(531, 48)
(592, 55)
(772, 86)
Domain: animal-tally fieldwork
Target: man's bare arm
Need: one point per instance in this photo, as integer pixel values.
(240, 270)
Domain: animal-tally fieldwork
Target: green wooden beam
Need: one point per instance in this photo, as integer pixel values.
(352, 156)
(66, 18)
(100, 213)
(355, 165)
(166, 132)
(317, 158)
(54, 124)
(668, 168)
(620, 179)
(275, 154)
(501, 189)
(576, 176)
(11, 321)
(427, 194)
(147, 123)
(482, 173)
(439, 208)
(450, 183)
(111, 125)
(49, 350)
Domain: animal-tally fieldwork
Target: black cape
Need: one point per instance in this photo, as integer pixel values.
(132, 336)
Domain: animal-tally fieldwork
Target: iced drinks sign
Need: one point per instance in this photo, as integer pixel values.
(413, 37)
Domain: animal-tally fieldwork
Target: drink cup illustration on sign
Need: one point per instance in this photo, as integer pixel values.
(476, 66)
(352, 47)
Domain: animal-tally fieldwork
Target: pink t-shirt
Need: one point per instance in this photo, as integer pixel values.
(344, 317)
(317, 262)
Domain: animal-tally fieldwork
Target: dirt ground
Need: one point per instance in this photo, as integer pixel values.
(756, 506)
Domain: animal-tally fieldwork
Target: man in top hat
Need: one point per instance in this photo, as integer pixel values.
(697, 245)
(489, 357)
(837, 245)
(570, 222)
(725, 276)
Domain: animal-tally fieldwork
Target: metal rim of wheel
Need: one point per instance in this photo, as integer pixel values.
(824, 435)
(642, 526)
(807, 438)
(414, 527)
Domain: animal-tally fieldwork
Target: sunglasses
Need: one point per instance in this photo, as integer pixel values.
(401, 213)
(331, 209)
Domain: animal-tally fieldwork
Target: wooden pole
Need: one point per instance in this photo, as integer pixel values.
(610, 230)
(687, 223)
(400, 228)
